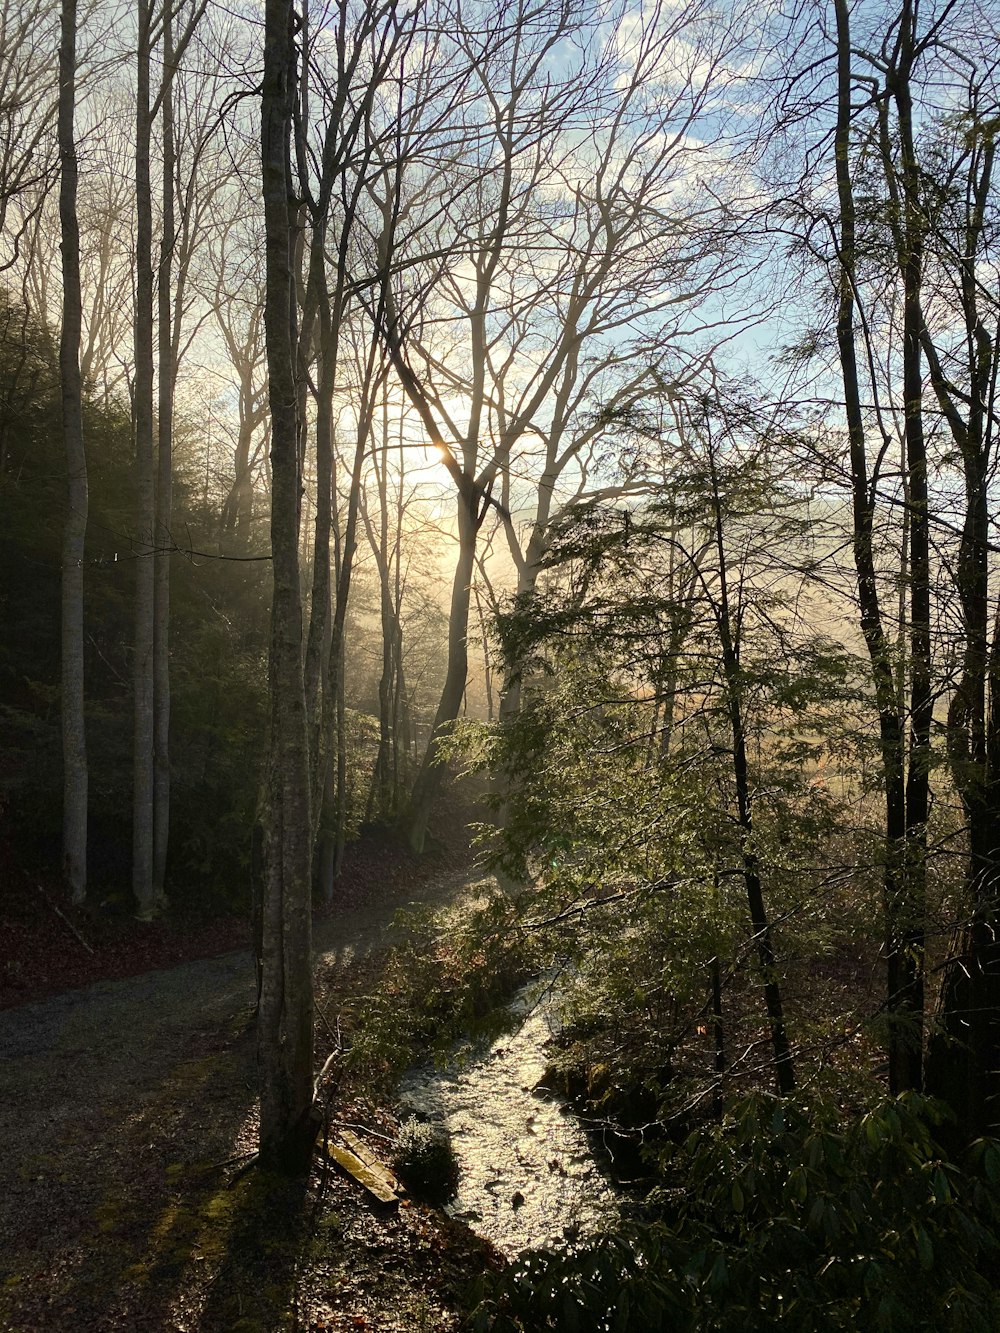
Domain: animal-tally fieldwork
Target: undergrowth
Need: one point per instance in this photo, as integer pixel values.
(784, 1214)
(450, 980)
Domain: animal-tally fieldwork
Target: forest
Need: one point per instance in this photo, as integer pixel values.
(500, 665)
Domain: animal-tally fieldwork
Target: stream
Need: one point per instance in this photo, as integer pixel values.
(528, 1175)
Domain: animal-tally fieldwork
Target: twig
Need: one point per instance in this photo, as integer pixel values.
(317, 1082)
(240, 1157)
(329, 1027)
(63, 918)
(247, 1166)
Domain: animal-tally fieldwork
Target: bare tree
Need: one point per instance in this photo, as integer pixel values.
(176, 246)
(27, 107)
(560, 253)
(150, 814)
(394, 493)
(75, 775)
(143, 772)
(285, 1019)
(898, 214)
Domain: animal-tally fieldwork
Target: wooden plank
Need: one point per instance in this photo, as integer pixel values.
(366, 1169)
(363, 1151)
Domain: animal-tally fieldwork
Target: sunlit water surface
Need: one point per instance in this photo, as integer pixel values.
(528, 1176)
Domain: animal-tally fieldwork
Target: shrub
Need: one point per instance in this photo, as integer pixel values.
(786, 1215)
(425, 1160)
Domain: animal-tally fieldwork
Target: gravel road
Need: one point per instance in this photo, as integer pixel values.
(107, 1091)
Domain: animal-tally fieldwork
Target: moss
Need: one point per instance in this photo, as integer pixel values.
(107, 1215)
(168, 1221)
(138, 1272)
(331, 1224)
(220, 1207)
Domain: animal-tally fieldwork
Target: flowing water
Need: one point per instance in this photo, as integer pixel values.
(528, 1176)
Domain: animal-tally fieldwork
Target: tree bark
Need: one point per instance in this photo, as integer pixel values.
(332, 839)
(382, 794)
(164, 485)
(142, 665)
(784, 1068)
(904, 1006)
(963, 1065)
(285, 1016)
(911, 259)
(75, 773)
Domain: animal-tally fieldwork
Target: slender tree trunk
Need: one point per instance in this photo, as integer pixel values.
(320, 618)
(74, 536)
(333, 834)
(329, 312)
(382, 793)
(921, 687)
(963, 1064)
(431, 773)
(784, 1069)
(143, 733)
(381, 801)
(487, 664)
(402, 722)
(285, 1016)
(402, 725)
(164, 486)
(903, 1042)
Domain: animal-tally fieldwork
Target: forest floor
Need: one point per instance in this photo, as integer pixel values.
(127, 1123)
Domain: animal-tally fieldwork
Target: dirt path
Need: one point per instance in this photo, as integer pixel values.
(119, 1103)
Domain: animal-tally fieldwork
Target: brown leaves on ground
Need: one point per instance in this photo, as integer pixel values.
(41, 952)
(125, 1202)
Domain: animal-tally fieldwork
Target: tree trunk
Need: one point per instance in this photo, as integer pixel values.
(784, 1069)
(903, 1043)
(143, 736)
(285, 1017)
(333, 833)
(161, 559)
(317, 653)
(921, 688)
(963, 1064)
(384, 790)
(432, 771)
(74, 536)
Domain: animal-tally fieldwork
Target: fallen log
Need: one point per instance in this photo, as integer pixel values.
(358, 1161)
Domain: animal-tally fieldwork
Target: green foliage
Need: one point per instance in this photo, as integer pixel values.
(683, 733)
(425, 1160)
(451, 979)
(788, 1215)
(218, 643)
(632, 853)
(32, 505)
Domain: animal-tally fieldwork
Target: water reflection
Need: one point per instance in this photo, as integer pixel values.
(528, 1176)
